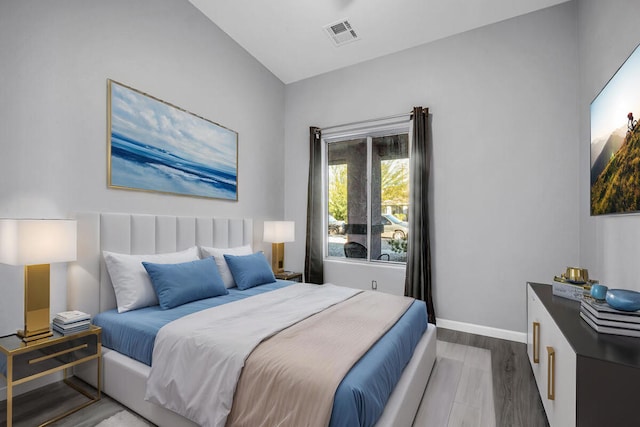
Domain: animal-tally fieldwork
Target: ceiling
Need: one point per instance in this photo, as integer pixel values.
(288, 38)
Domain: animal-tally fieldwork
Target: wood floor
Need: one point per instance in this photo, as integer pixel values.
(467, 369)
(460, 390)
(515, 395)
(33, 408)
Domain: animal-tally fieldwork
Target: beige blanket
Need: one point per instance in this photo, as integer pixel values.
(291, 378)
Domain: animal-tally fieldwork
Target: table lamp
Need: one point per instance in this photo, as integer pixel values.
(35, 243)
(277, 233)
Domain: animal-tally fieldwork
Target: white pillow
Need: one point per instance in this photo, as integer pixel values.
(130, 280)
(219, 253)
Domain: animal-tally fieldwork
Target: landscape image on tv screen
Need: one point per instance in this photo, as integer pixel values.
(615, 142)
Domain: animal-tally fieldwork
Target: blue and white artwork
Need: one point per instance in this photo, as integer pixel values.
(156, 146)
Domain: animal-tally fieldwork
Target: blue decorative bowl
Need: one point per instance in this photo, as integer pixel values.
(599, 292)
(623, 299)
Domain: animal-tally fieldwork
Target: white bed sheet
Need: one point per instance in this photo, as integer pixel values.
(195, 373)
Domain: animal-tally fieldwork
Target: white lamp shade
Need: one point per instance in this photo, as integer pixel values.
(279, 231)
(37, 241)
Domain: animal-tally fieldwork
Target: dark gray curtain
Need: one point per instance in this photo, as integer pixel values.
(313, 262)
(418, 278)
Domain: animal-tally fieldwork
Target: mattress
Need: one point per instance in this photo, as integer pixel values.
(360, 397)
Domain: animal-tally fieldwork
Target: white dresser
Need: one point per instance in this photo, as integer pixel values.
(584, 378)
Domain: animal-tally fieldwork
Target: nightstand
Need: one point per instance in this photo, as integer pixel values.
(22, 362)
(289, 275)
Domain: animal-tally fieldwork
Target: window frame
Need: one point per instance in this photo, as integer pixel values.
(372, 130)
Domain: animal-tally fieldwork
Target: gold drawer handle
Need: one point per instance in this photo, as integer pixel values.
(60, 353)
(536, 342)
(551, 373)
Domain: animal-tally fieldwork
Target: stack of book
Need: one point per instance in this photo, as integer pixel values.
(607, 320)
(70, 322)
(566, 289)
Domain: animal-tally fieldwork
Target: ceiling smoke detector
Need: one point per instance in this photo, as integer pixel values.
(341, 32)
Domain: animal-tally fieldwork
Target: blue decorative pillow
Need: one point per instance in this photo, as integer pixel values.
(250, 270)
(177, 284)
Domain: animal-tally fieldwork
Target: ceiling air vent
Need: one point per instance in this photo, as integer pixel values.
(341, 32)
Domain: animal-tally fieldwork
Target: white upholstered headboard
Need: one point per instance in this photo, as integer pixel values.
(89, 287)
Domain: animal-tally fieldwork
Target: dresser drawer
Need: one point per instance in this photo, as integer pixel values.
(54, 356)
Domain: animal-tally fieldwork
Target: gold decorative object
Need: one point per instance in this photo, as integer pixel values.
(576, 274)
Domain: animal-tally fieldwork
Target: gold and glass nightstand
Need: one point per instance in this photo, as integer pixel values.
(22, 362)
(289, 275)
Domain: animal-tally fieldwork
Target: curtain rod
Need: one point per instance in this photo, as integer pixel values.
(395, 116)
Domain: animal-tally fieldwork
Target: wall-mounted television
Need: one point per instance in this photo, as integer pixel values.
(615, 142)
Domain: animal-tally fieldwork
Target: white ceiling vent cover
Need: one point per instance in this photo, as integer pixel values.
(341, 32)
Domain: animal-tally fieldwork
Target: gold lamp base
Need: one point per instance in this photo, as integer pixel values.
(277, 257)
(36, 303)
(33, 338)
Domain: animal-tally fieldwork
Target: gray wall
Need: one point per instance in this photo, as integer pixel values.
(609, 245)
(505, 157)
(55, 59)
(510, 108)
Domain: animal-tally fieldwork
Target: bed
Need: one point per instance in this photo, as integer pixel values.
(125, 378)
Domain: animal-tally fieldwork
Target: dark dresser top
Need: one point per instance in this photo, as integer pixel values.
(583, 339)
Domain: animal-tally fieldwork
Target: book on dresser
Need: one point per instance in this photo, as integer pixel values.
(602, 310)
(607, 320)
(610, 330)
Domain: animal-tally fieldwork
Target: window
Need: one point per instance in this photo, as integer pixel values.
(367, 194)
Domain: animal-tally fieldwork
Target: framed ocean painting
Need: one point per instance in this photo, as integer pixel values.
(156, 146)
(615, 142)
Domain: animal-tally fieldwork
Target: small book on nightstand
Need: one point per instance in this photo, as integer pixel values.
(73, 316)
(70, 322)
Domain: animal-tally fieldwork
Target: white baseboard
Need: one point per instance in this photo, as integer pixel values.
(31, 385)
(488, 331)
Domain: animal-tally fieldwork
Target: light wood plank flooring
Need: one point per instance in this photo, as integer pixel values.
(472, 375)
(460, 390)
(515, 394)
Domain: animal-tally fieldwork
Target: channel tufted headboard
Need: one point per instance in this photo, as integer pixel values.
(89, 287)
